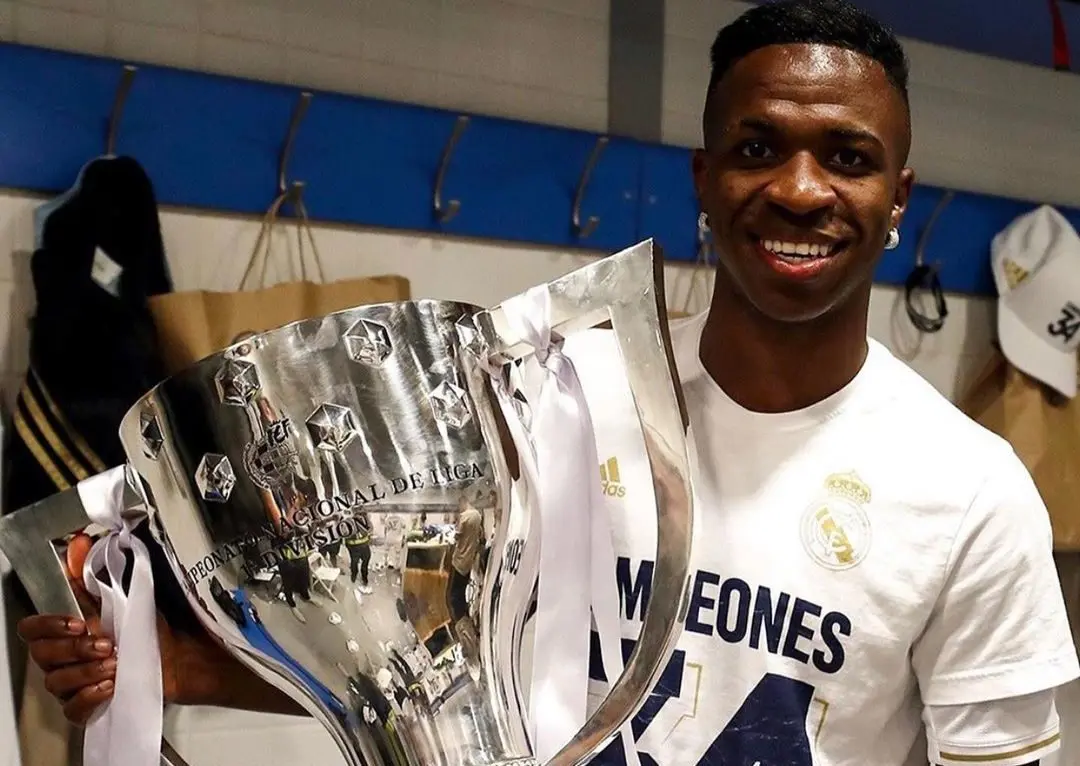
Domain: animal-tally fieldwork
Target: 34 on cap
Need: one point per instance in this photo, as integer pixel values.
(1036, 265)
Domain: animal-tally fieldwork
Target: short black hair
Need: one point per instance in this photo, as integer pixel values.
(836, 23)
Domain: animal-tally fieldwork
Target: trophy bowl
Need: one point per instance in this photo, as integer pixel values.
(341, 503)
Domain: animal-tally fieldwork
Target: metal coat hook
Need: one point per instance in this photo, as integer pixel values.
(583, 231)
(920, 248)
(445, 212)
(292, 191)
(119, 102)
(927, 277)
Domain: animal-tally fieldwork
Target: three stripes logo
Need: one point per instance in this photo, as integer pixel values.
(609, 478)
(59, 449)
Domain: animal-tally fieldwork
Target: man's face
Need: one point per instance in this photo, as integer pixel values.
(803, 177)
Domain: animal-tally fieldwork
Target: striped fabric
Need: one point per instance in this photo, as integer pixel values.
(59, 449)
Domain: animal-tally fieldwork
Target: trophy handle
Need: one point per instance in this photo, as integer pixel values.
(26, 538)
(628, 289)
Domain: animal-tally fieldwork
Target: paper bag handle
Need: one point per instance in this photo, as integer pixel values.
(263, 242)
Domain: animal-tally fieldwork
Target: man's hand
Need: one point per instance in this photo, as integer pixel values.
(79, 665)
(79, 660)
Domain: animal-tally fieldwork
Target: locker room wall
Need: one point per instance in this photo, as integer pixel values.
(981, 125)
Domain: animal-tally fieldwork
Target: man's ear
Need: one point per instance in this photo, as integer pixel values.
(903, 196)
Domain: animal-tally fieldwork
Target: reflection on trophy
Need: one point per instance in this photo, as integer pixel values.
(345, 509)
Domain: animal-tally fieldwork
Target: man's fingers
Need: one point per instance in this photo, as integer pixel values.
(68, 681)
(41, 626)
(80, 707)
(87, 603)
(77, 551)
(52, 653)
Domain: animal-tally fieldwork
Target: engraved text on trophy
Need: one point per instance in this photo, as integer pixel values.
(329, 520)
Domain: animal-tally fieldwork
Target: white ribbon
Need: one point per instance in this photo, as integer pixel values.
(126, 731)
(575, 540)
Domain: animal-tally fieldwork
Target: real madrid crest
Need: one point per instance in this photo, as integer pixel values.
(835, 527)
(269, 461)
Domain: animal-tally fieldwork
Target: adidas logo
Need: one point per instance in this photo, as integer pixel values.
(609, 478)
(1014, 273)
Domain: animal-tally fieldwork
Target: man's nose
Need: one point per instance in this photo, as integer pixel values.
(801, 186)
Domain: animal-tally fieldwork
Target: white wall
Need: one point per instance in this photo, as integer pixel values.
(983, 125)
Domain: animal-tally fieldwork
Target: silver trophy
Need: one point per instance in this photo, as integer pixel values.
(335, 497)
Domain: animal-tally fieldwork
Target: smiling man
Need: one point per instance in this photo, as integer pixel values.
(875, 583)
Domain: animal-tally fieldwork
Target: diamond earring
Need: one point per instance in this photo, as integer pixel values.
(703, 221)
(893, 240)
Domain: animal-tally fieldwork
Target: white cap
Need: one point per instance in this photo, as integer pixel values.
(1036, 265)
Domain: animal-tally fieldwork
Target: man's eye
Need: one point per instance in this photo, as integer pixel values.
(848, 158)
(756, 150)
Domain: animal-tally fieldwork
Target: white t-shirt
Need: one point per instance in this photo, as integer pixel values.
(873, 578)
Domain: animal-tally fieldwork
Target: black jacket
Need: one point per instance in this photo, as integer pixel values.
(93, 349)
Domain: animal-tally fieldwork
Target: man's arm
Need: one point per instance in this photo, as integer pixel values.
(997, 644)
(208, 675)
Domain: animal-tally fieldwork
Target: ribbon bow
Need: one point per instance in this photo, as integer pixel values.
(126, 731)
(575, 539)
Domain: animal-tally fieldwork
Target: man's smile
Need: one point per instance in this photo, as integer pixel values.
(800, 247)
(796, 265)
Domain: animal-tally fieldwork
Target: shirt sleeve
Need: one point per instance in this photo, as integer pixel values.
(999, 628)
(1012, 732)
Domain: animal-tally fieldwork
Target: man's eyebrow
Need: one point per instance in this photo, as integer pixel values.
(757, 124)
(767, 127)
(855, 134)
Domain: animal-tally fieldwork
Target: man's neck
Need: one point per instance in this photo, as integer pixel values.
(770, 366)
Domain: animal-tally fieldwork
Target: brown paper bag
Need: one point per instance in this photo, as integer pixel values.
(1044, 431)
(193, 325)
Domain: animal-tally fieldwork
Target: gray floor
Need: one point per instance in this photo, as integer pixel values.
(367, 619)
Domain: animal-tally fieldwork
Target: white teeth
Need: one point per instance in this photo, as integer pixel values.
(796, 248)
